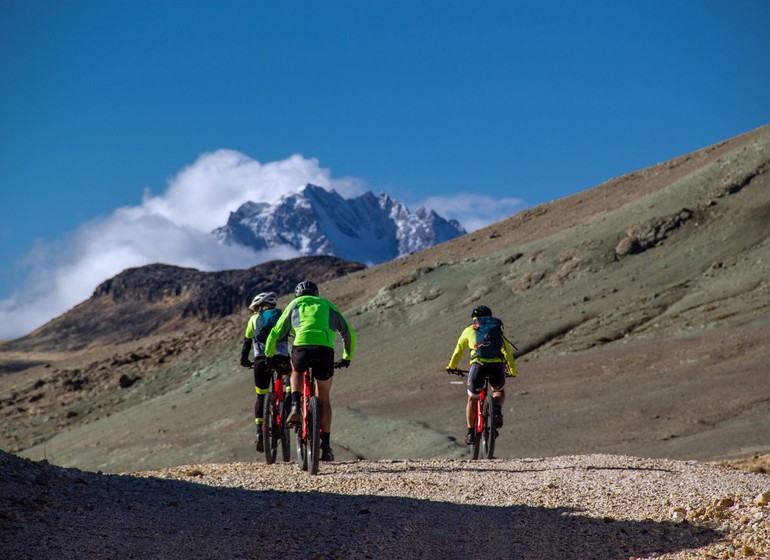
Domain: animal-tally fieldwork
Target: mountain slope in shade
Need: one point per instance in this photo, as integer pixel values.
(315, 221)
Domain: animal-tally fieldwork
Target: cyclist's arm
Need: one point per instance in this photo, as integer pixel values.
(248, 338)
(279, 331)
(340, 324)
(508, 355)
(462, 345)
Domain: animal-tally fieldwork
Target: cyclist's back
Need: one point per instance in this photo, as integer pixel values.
(313, 322)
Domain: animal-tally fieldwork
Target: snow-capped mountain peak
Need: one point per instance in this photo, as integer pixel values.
(315, 221)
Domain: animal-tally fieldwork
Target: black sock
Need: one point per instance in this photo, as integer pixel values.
(296, 397)
(325, 439)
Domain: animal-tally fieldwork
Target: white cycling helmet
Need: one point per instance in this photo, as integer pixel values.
(265, 298)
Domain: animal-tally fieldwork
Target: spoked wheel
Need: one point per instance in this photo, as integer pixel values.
(269, 435)
(489, 433)
(314, 435)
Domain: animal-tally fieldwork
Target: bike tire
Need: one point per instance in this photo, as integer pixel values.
(301, 448)
(268, 432)
(489, 433)
(283, 409)
(314, 435)
(476, 446)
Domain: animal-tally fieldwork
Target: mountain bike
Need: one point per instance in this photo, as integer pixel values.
(275, 433)
(485, 430)
(308, 432)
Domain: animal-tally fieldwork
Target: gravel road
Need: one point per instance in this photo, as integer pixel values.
(592, 506)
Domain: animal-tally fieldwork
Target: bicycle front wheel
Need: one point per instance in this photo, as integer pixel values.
(489, 433)
(314, 435)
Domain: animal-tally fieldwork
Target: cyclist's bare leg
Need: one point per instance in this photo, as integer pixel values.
(297, 381)
(323, 390)
(498, 397)
(470, 411)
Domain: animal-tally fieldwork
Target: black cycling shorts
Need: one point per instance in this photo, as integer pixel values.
(320, 358)
(479, 372)
(262, 372)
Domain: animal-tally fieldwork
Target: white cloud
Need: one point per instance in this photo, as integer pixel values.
(203, 194)
(474, 211)
(170, 228)
(173, 228)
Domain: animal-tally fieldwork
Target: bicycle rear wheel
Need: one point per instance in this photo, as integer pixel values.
(301, 448)
(268, 429)
(283, 409)
(489, 433)
(476, 445)
(314, 435)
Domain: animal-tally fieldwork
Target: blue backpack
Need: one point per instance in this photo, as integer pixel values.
(265, 323)
(489, 337)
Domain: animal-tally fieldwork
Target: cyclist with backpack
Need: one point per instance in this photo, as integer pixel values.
(313, 321)
(257, 329)
(490, 354)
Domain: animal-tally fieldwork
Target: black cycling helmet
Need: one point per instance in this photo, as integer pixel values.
(306, 288)
(481, 311)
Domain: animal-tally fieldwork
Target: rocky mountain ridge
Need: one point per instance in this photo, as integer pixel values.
(315, 221)
(157, 298)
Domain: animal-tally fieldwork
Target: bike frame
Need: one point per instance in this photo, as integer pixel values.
(308, 390)
(279, 397)
(480, 408)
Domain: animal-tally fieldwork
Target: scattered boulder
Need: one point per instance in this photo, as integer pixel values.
(648, 234)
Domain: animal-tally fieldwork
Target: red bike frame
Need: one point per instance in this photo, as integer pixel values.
(308, 390)
(480, 411)
(280, 396)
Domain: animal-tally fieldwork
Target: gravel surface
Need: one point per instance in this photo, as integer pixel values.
(592, 506)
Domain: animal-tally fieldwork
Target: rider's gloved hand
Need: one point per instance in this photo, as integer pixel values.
(342, 363)
(247, 363)
(451, 370)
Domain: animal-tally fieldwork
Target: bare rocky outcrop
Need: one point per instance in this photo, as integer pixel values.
(148, 300)
(645, 235)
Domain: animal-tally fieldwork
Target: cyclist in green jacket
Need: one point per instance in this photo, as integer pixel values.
(313, 321)
(483, 367)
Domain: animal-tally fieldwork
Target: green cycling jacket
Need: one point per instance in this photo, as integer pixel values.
(313, 321)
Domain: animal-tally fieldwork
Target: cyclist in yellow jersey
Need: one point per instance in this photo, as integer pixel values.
(257, 328)
(313, 321)
(488, 359)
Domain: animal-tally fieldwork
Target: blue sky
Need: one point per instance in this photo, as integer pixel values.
(128, 127)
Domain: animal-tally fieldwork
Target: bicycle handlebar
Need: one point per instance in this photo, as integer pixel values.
(465, 372)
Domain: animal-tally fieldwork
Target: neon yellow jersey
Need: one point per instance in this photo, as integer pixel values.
(467, 341)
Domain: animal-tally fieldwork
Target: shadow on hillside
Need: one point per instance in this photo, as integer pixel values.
(48, 511)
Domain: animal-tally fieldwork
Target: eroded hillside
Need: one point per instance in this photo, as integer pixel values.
(639, 307)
